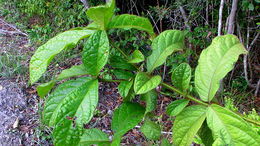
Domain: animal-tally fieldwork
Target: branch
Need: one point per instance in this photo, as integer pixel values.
(186, 21)
(85, 3)
(232, 15)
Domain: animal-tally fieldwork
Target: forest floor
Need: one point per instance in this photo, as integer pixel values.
(20, 107)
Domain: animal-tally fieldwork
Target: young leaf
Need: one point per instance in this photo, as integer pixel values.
(143, 83)
(131, 21)
(96, 52)
(75, 110)
(151, 100)
(226, 125)
(126, 117)
(181, 76)
(45, 53)
(214, 63)
(101, 15)
(58, 100)
(136, 57)
(164, 45)
(76, 70)
(94, 136)
(151, 130)
(124, 88)
(45, 88)
(187, 124)
(174, 108)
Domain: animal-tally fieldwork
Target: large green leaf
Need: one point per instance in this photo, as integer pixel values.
(94, 136)
(214, 63)
(187, 124)
(151, 100)
(164, 45)
(131, 21)
(74, 71)
(230, 127)
(151, 130)
(75, 110)
(126, 117)
(143, 83)
(124, 88)
(136, 57)
(181, 76)
(174, 108)
(96, 52)
(45, 53)
(205, 134)
(101, 15)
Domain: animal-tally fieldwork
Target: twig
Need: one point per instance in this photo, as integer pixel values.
(186, 21)
(163, 132)
(20, 32)
(85, 3)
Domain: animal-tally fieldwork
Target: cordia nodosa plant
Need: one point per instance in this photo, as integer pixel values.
(78, 98)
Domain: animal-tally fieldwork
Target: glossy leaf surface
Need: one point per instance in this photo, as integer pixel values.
(143, 83)
(126, 117)
(187, 124)
(124, 88)
(174, 108)
(96, 52)
(136, 57)
(94, 136)
(131, 21)
(181, 76)
(229, 128)
(164, 45)
(102, 14)
(45, 53)
(214, 64)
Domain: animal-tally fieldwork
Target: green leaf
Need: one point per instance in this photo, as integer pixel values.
(131, 21)
(143, 83)
(181, 76)
(164, 45)
(151, 100)
(165, 142)
(174, 108)
(214, 63)
(151, 130)
(126, 117)
(230, 127)
(45, 88)
(96, 52)
(120, 63)
(94, 136)
(74, 71)
(187, 124)
(124, 88)
(136, 57)
(45, 53)
(122, 74)
(101, 15)
(205, 134)
(75, 110)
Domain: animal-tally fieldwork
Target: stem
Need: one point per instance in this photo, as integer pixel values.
(184, 94)
(108, 80)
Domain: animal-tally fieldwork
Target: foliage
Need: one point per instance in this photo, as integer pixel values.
(72, 103)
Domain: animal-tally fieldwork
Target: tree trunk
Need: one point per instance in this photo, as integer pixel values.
(220, 17)
(186, 21)
(231, 21)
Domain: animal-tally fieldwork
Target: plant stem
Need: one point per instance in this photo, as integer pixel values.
(183, 94)
(108, 80)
